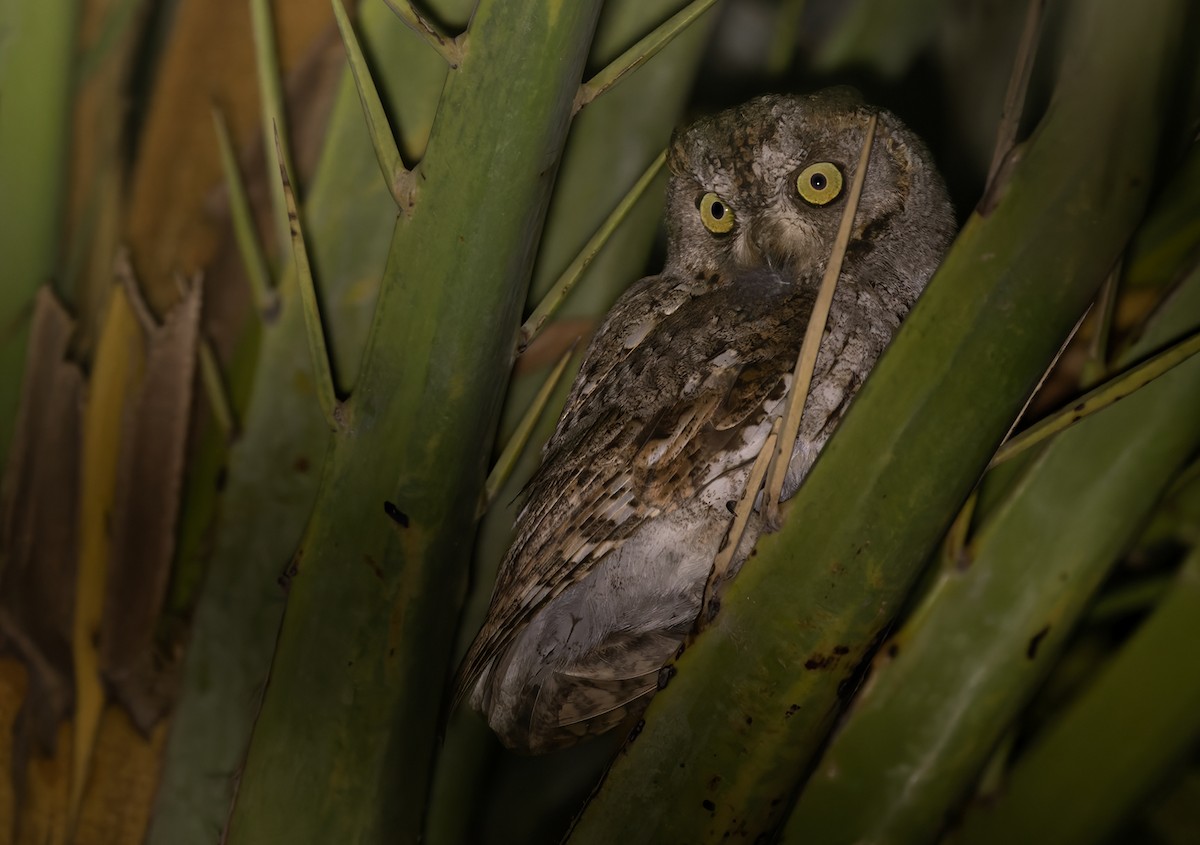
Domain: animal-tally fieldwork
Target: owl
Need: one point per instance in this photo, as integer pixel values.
(677, 393)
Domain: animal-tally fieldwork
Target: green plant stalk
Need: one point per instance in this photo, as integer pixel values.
(1096, 367)
(395, 174)
(641, 52)
(607, 148)
(1068, 787)
(274, 467)
(343, 744)
(610, 142)
(254, 259)
(410, 77)
(447, 48)
(37, 40)
(200, 506)
(214, 388)
(724, 747)
(273, 471)
(990, 631)
(1100, 397)
(575, 271)
(1018, 88)
(322, 367)
(274, 116)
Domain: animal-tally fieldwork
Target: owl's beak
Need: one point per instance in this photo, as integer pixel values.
(778, 243)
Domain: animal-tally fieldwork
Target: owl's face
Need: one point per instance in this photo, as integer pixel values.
(765, 183)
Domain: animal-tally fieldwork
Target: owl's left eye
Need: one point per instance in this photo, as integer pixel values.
(716, 216)
(820, 183)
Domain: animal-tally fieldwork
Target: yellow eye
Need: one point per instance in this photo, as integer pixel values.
(820, 183)
(716, 216)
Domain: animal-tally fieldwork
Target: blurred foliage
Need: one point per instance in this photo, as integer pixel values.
(106, 142)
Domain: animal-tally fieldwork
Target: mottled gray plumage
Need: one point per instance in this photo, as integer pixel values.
(677, 394)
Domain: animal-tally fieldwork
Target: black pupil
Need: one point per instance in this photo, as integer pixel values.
(718, 211)
(818, 181)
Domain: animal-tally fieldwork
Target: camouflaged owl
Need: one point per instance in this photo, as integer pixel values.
(678, 392)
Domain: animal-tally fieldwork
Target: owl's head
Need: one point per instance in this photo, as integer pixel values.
(765, 184)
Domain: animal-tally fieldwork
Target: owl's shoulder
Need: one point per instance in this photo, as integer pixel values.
(633, 318)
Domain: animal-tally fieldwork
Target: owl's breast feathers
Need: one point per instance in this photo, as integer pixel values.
(668, 398)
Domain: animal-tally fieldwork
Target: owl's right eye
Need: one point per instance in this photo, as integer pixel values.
(716, 216)
(820, 183)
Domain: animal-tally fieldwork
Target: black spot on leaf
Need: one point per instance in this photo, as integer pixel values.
(1035, 641)
(395, 514)
(818, 661)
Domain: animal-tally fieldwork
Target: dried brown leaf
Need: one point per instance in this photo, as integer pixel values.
(146, 509)
(13, 685)
(110, 33)
(169, 227)
(124, 777)
(41, 817)
(116, 373)
(38, 527)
